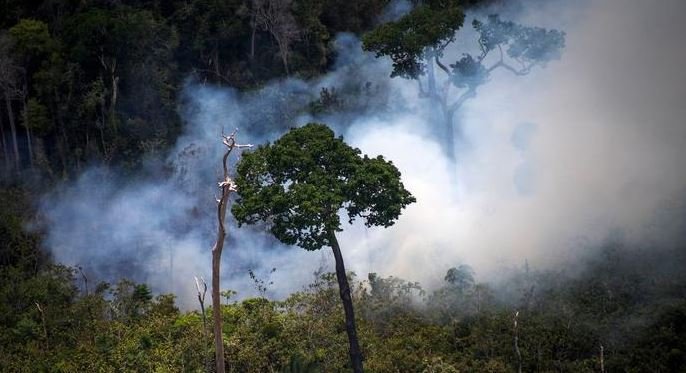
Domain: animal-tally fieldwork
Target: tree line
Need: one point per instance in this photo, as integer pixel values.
(612, 312)
(98, 81)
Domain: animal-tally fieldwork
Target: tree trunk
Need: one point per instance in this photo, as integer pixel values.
(113, 101)
(217, 69)
(516, 342)
(252, 36)
(226, 186)
(28, 129)
(216, 299)
(431, 76)
(63, 140)
(284, 58)
(344, 288)
(5, 151)
(449, 134)
(602, 359)
(30, 146)
(13, 130)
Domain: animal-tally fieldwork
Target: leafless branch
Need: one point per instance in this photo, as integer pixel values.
(442, 66)
(470, 93)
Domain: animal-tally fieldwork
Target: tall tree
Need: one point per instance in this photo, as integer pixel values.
(33, 44)
(276, 17)
(10, 76)
(213, 34)
(300, 183)
(416, 44)
(227, 186)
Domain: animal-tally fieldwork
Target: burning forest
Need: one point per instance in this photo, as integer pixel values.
(324, 186)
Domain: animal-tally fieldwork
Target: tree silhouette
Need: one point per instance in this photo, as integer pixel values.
(416, 44)
(298, 186)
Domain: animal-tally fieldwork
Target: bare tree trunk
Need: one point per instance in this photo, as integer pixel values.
(30, 146)
(217, 69)
(85, 279)
(28, 134)
(344, 289)
(113, 101)
(5, 151)
(253, 33)
(283, 51)
(216, 273)
(110, 67)
(449, 134)
(62, 140)
(602, 359)
(516, 342)
(201, 300)
(227, 186)
(13, 130)
(285, 65)
(45, 328)
(431, 76)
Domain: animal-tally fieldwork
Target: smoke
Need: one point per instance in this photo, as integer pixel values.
(551, 164)
(556, 161)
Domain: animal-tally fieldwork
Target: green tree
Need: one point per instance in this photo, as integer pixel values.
(417, 41)
(462, 277)
(33, 45)
(299, 184)
(213, 34)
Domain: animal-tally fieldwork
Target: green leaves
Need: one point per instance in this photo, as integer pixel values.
(525, 44)
(298, 184)
(37, 117)
(430, 25)
(32, 38)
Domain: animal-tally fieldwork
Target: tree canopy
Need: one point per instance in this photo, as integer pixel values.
(416, 44)
(298, 184)
(432, 24)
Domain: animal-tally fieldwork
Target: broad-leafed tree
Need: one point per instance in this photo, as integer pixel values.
(417, 42)
(301, 184)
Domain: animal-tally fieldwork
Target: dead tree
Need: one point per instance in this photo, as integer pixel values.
(275, 17)
(602, 358)
(516, 342)
(44, 324)
(85, 279)
(201, 300)
(227, 186)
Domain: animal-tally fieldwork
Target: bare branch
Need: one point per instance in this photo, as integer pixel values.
(470, 93)
(442, 66)
(501, 63)
(523, 71)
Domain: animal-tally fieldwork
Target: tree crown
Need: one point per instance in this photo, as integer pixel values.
(298, 184)
(431, 26)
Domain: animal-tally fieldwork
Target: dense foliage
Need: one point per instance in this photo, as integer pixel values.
(299, 184)
(97, 81)
(417, 42)
(53, 319)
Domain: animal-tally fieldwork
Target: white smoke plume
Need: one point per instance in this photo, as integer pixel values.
(551, 165)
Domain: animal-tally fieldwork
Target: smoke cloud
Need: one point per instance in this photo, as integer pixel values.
(550, 164)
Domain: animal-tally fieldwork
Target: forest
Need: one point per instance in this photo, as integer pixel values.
(181, 181)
